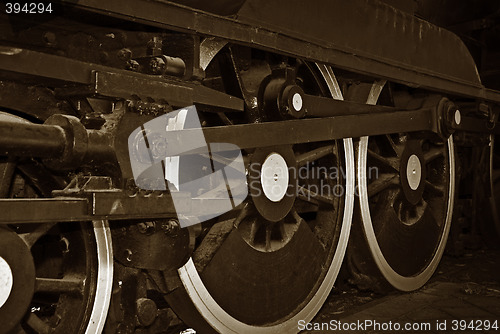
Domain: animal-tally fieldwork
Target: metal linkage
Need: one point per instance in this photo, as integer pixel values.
(65, 139)
(346, 119)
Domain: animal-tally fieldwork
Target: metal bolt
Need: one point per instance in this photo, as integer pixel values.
(458, 117)
(49, 38)
(146, 310)
(133, 65)
(128, 255)
(103, 56)
(170, 226)
(146, 227)
(124, 54)
(155, 47)
(157, 65)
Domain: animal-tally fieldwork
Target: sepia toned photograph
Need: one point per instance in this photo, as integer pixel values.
(249, 166)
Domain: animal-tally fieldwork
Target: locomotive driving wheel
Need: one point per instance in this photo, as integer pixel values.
(55, 277)
(273, 261)
(406, 193)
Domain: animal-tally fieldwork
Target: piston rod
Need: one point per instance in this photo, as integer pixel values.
(62, 142)
(31, 140)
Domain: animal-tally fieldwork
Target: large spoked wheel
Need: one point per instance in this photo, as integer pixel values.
(56, 278)
(275, 260)
(406, 193)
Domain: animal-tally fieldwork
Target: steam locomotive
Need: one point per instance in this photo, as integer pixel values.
(215, 163)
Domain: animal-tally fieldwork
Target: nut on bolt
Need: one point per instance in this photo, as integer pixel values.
(146, 227)
(124, 54)
(453, 117)
(146, 311)
(458, 117)
(170, 226)
(133, 65)
(157, 65)
(292, 101)
(49, 38)
(450, 115)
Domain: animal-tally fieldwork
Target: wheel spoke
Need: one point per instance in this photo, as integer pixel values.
(254, 228)
(224, 118)
(386, 161)
(313, 155)
(433, 153)
(6, 172)
(303, 197)
(243, 213)
(32, 237)
(269, 230)
(397, 149)
(304, 206)
(384, 181)
(298, 219)
(304, 192)
(54, 285)
(38, 325)
(434, 189)
(434, 206)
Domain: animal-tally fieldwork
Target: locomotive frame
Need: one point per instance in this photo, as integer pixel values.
(79, 109)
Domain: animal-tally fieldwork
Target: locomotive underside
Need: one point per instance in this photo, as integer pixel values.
(383, 115)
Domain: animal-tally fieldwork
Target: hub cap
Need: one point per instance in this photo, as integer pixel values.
(6, 281)
(414, 172)
(297, 102)
(272, 187)
(17, 278)
(274, 177)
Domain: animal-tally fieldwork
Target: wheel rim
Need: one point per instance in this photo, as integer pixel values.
(495, 182)
(72, 262)
(209, 306)
(413, 213)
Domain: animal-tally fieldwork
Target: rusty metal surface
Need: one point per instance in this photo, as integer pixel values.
(102, 205)
(35, 210)
(101, 80)
(23, 139)
(152, 248)
(362, 36)
(99, 206)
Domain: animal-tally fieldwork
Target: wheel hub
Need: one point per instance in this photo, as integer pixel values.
(274, 177)
(17, 278)
(272, 185)
(6, 281)
(412, 172)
